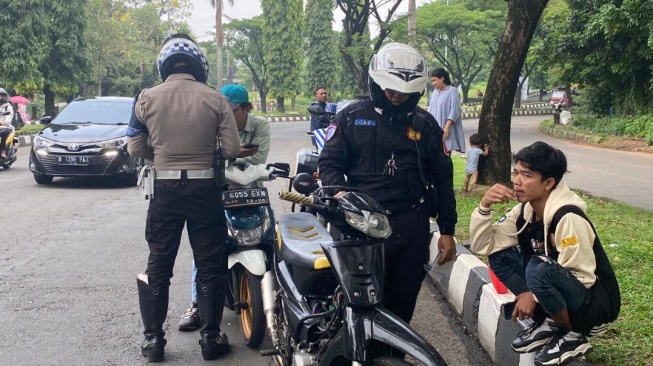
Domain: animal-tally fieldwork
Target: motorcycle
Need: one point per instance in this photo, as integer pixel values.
(323, 297)
(307, 158)
(251, 237)
(11, 145)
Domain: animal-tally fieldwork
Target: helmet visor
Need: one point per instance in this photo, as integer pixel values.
(405, 65)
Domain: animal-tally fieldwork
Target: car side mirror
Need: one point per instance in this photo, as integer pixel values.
(45, 120)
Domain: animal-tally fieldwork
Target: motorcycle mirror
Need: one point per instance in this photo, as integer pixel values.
(45, 119)
(315, 110)
(6, 113)
(303, 183)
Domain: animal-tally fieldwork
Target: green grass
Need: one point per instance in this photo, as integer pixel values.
(30, 129)
(627, 237)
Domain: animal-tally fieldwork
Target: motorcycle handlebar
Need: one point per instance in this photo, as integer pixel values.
(295, 197)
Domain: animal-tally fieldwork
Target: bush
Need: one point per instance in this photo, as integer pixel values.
(641, 126)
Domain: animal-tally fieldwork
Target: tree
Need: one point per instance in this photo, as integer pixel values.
(321, 59)
(21, 32)
(496, 113)
(357, 48)
(282, 39)
(468, 35)
(219, 36)
(64, 63)
(245, 41)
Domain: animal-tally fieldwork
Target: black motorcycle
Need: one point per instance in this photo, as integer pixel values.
(323, 298)
(11, 145)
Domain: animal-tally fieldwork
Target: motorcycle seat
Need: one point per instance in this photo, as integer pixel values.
(301, 234)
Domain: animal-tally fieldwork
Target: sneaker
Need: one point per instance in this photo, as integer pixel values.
(533, 337)
(191, 318)
(563, 349)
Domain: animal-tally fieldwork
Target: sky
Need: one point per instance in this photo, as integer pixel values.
(203, 17)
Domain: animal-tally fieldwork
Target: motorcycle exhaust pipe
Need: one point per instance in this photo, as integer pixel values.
(270, 308)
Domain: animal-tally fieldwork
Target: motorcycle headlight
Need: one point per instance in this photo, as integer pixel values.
(253, 236)
(42, 142)
(373, 224)
(113, 143)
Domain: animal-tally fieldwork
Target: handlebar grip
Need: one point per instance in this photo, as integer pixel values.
(295, 197)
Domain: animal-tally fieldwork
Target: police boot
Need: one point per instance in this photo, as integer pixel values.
(154, 307)
(210, 300)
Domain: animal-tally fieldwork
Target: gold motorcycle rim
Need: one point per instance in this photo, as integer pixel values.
(246, 313)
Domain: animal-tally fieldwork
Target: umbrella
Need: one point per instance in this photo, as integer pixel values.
(20, 100)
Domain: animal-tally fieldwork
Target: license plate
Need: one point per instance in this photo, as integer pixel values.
(246, 197)
(73, 160)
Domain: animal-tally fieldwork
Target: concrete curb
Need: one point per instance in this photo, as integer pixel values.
(473, 298)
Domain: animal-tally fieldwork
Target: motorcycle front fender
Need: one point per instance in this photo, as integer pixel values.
(383, 326)
(253, 260)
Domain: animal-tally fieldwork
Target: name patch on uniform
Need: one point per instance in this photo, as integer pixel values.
(413, 135)
(567, 242)
(365, 122)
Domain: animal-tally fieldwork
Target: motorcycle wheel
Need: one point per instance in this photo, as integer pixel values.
(390, 361)
(7, 166)
(252, 318)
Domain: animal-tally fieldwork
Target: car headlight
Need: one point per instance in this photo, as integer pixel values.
(250, 237)
(42, 142)
(373, 224)
(113, 143)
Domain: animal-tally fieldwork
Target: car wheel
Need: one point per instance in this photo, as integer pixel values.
(131, 179)
(42, 179)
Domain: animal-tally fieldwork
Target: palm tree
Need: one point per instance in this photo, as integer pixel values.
(219, 35)
(412, 20)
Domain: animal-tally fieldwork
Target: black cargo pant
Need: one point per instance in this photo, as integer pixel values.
(406, 252)
(197, 203)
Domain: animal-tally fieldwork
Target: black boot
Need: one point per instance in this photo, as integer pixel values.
(154, 307)
(210, 299)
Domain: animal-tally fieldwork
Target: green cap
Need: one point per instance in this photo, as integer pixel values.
(235, 94)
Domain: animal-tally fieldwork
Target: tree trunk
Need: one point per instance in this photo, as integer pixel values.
(412, 22)
(49, 101)
(280, 107)
(264, 103)
(218, 41)
(496, 114)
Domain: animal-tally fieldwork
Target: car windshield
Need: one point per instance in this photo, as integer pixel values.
(110, 112)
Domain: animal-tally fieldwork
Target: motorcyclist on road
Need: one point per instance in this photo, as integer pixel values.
(392, 149)
(5, 120)
(178, 124)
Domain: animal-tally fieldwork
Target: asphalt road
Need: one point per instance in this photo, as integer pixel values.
(70, 253)
(618, 175)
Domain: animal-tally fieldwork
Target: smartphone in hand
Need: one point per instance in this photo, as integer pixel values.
(250, 146)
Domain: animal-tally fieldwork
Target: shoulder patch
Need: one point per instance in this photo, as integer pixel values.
(567, 242)
(330, 131)
(365, 122)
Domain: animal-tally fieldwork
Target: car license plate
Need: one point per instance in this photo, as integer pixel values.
(73, 160)
(246, 197)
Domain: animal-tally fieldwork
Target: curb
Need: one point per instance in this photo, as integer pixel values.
(480, 308)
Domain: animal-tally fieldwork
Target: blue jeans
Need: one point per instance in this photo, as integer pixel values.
(555, 287)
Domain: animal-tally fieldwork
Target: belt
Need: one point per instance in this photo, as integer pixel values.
(190, 174)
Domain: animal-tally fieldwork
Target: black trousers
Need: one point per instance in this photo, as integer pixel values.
(405, 256)
(3, 138)
(196, 203)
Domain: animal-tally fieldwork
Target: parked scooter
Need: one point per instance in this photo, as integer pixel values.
(250, 223)
(323, 298)
(11, 146)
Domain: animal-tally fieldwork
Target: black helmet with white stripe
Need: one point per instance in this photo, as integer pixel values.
(182, 51)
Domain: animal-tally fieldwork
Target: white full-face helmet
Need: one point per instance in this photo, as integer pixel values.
(401, 68)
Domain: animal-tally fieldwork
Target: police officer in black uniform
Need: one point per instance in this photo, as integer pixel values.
(393, 150)
(178, 125)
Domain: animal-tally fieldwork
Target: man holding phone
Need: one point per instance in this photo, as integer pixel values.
(254, 134)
